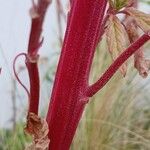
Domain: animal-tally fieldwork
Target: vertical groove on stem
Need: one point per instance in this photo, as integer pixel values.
(67, 101)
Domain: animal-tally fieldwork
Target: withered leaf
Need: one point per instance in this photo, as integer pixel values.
(142, 19)
(142, 64)
(38, 129)
(117, 39)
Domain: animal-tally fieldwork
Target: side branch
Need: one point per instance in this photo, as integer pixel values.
(93, 89)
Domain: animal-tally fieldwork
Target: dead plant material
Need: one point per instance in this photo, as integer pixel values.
(38, 129)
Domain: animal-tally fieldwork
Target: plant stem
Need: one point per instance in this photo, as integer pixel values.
(37, 15)
(93, 89)
(68, 99)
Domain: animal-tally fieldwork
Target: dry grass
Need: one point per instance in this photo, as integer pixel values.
(115, 118)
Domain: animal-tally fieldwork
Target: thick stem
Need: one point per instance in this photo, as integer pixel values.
(68, 99)
(93, 89)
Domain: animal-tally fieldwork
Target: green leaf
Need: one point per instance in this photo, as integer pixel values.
(119, 4)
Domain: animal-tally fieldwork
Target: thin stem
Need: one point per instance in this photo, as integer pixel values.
(38, 12)
(16, 74)
(93, 89)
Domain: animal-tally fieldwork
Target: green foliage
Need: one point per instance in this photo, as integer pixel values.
(13, 139)
(146, 1)
(118, 4)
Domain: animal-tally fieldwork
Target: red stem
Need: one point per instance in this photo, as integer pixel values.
(34, 86)
(33, 47)
(68, 101)
(36, 27)
(93, 89)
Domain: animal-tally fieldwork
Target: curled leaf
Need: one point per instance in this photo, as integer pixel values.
(142, 19)
(38, 129)
(117, 39)
(140, 63)
(131, 29)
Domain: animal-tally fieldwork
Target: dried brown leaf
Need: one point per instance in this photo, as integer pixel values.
(38, 129)
(142, 64)
(117, 39)
(142, 19)
(131, 29)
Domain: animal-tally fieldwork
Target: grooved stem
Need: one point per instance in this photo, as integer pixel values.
(71, 80)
